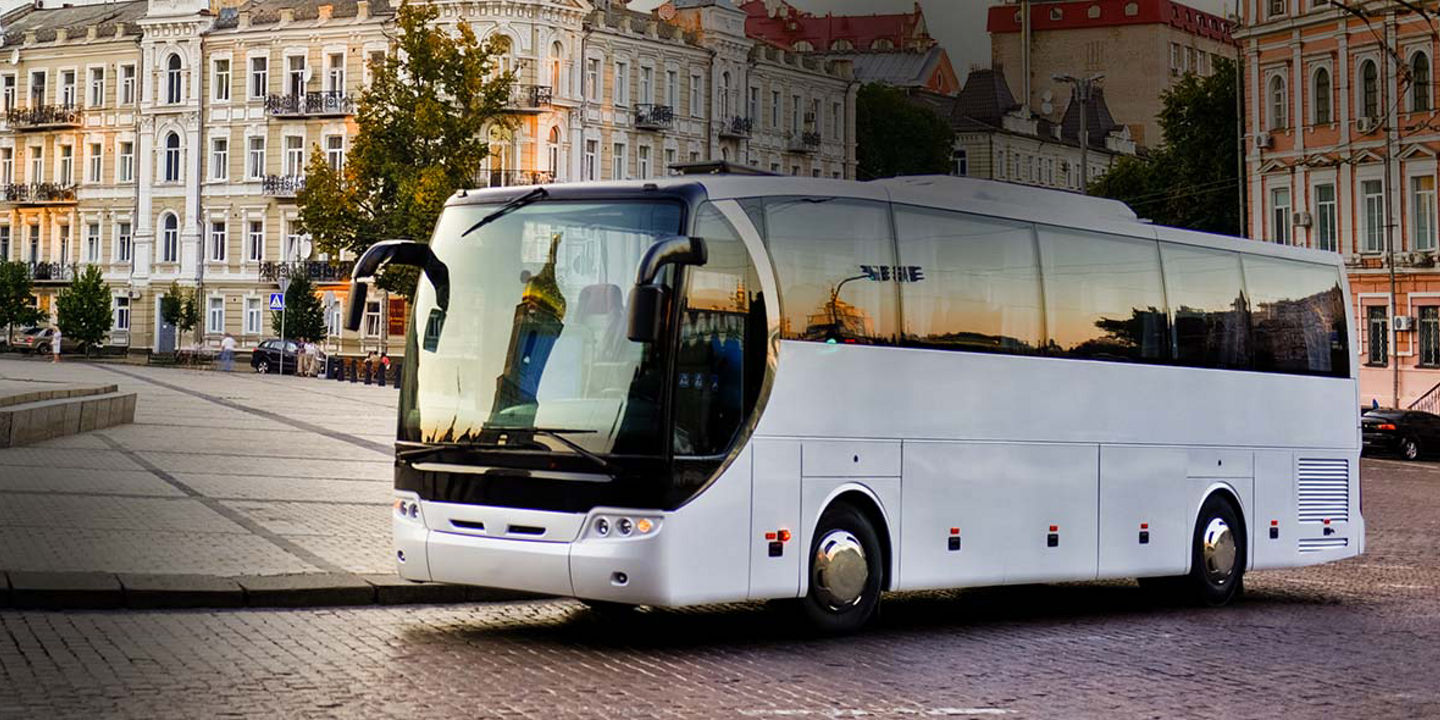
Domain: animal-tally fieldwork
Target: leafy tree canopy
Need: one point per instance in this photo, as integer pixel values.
(895, 136)
(424, 131)
(1192, 179)
(17, 302)
(83, 309)
(304, 316)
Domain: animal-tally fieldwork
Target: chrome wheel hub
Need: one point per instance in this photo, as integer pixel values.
(840, 572)
(1218, 551)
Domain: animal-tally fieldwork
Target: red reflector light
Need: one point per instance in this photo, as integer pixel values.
(1144, 526)
(784, 536)
(1327, 521)
(1385, 426)
(769, 536)
(1273, 523)
(954, 531)
(1054, 528)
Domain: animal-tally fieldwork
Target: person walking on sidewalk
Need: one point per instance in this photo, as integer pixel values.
(312, 358)
(227, 353)
(55, 345)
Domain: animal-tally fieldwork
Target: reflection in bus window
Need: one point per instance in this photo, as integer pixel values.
(835, 260)
(1297, 317)
(979, 286)
(1105, 297)
(1211, 325)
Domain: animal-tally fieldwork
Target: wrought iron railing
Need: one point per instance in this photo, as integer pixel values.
(40, 193)
(282, 185)
(42, 116)
(738, 127)
(654, 117)
(315, 270)
(512, 178)
(52, 271)
(805, 142)
(1429, 402)
(531, 97)
(329, 102)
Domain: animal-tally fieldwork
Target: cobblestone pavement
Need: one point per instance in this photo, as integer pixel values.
(221, 474)
(1358, 639)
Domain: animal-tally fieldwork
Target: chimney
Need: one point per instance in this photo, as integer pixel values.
(362, 9)
(287, 16)
(61, 35)
(90, 32)
(324, 12)
(242, 19)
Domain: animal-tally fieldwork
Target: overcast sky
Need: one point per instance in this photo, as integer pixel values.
(959, 25)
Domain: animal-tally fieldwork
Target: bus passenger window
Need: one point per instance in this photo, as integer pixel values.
(837, 269)
(971, 282)
(1104, 297)
(1297, 317)
(1210, 323)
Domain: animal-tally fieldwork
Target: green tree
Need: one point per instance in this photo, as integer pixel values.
(424, 127)
(83, 309)
(895, 136)
(304, 316)
(172, 304)
(1192, 180)
(17, 303)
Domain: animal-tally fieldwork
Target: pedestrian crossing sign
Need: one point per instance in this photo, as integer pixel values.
(277, 301)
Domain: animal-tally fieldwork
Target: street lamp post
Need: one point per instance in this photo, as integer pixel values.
(1083, 88)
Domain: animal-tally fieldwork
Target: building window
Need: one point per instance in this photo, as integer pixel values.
(122, 242)
(122, 312)
(697, 95)
(642, 162)
(259, 77)
(255, 241)
(592, 79)
(34, 243)
(619, 162)
(1377, 334)
(335, 152)
(335, 73)
(647, 84)
(1430, 336)
(552, 151)
(8, 92)
(1372, 193)
(1422, 205)
(4, 243)
(255, 158)
(372, 319)
(37, 163)
(557, 61)
(172, 157)
(1322, 97)
(67, 88)
(38, 79)
(961, 162)
(1325, 217)
(622, 83)
(591, 148)
(1280, 214)
(7, 166)
(1420, 83)
(97, 87)
(64, 243)
(252, 316)
(1278, 100)
(219, 158)
(174, 81)
(125, 169)
(215, 318)
(221, 79)
(670, 160)
(97, 162)
(127, 84)
(672, 89)
(66, 174)
(294, 155)
(169, 238)
(1369, 91)
(92, 243)
(297, 73)
(219, 240)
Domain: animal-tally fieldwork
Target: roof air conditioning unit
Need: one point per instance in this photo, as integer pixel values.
(1301, 219)
(1264, 142)
(1366, 125)
(1404, 323)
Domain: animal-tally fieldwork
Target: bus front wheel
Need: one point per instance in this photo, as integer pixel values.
(845, 572)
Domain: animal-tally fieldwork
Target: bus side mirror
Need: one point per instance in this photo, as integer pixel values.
(402, 252)
(648, 299)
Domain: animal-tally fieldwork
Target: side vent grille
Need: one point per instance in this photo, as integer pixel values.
(1308, 545)
(1324, 490)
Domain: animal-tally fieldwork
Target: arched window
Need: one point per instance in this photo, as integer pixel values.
(842, 45)
(1278, 101)
(1321, 84)
(172, 158)
(557, 54)
(169, 238)
(804, 46)
(502, 46)
(725, 96)
(882, 45)
(173, 80)
(552, 151)
(1369, 90)
(1420, 83)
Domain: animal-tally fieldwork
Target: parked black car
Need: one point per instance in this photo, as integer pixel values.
(1407, 433)
(275, 356)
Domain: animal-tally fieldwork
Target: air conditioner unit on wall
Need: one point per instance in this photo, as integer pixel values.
(1366, 125)
(135, 294)
(1301, 219)
(1404, 323)
(1264, 142)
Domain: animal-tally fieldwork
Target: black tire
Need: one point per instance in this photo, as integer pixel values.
(262, 366)
(842, 529)
(1209, 583)
(1409, 448)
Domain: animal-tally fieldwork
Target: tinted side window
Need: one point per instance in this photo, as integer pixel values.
(835, 259)
(1210, 323)
(1297, 317)
(972, 283)
(1104, 297)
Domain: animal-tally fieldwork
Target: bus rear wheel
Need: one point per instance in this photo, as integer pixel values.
(1217, 559)
(845, 572)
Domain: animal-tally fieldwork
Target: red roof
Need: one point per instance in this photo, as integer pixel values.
(1078, 14)
(790, 26)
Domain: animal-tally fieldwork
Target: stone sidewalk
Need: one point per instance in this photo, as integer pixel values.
(228, 489)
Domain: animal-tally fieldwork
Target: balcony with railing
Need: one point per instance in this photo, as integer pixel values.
(806, 142)
(52, 272)
(42, 193)
(282, 186)
(512, 178)
(315, 270)
(328, 103)
(654, 117)
(530, 98)
(737, 127)
(44, 117)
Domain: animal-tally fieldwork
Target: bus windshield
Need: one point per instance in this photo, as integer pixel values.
(532, 347)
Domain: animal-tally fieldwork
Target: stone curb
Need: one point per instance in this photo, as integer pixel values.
(104, 591)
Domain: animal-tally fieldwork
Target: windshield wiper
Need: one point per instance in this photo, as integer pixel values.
(559, 434)
(533, 196)
(436, 448)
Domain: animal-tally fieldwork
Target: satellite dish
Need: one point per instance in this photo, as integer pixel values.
(1047, 107)
(305, 247)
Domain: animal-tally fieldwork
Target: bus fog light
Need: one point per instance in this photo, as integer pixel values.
(624, 526)
(644, 525)
(602, 527)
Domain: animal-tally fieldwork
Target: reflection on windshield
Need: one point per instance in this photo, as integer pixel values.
(535, 332)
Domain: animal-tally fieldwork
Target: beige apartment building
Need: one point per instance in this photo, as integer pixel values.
(210, 112)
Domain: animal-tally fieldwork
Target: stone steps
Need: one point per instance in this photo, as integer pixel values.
(31, 417)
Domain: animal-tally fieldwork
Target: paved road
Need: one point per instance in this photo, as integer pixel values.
(1354, 639)
(220, 474)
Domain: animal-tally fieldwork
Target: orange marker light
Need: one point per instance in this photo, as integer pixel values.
(644, 525)
(784, 536)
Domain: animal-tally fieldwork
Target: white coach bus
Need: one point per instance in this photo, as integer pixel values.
(725, 388)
